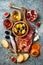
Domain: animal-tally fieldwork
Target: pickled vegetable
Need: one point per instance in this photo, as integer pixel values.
(36, 45)
(34, 52)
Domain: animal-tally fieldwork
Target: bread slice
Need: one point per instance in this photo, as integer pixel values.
(4, 43)
(20, 58)
(26, 56)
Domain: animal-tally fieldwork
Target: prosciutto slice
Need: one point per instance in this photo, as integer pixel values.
(24, 44)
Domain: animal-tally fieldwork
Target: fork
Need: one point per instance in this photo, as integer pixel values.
(11, 5)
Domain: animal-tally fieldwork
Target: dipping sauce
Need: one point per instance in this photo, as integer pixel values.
(8, 24)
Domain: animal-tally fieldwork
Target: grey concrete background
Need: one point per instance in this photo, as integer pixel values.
(29, 4)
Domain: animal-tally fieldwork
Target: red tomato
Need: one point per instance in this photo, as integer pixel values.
(6, 14)
(38, 24)
(13, 59)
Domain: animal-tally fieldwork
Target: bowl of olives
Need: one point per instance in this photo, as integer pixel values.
(20, 29)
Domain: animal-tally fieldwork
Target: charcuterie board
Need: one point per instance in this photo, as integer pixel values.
(21, 33)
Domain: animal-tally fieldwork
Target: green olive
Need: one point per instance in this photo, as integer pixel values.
(20, 25)
(23, 25)
(17, 26)
(15, 30)
(23, 31)
(20, 29)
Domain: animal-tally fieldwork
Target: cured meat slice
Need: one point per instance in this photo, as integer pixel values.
(24, 44)
(26, 49)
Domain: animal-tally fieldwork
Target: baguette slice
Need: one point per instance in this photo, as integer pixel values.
(4, 43)
(26, 56)
(20, 58)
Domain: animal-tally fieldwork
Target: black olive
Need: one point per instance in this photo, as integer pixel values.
(18, 28)
(18, 31)
(23, 27)
(7, 37)
(7, 32)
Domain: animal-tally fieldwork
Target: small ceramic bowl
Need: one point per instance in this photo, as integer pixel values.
(31, 15)
(16, 15)
(7, 23)
(26, 31)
